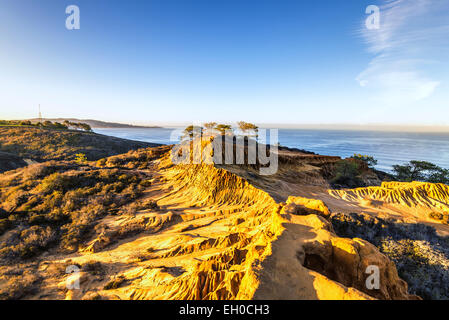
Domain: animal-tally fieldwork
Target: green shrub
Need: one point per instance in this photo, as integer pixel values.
(369, 160)
(80, 158)
(346, 174)
(34, 239)
(421, 171)
(39, 170)
(54, 182)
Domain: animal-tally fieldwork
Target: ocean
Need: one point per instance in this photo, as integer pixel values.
(388, 148)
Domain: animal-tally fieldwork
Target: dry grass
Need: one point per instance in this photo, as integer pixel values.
(57, 204)
(17, 283)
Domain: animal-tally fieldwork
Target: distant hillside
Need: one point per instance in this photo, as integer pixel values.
(40, 144)
(94, 123)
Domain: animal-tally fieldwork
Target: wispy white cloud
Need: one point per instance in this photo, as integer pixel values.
(412, 38)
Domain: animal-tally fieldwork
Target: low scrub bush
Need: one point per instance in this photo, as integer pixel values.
(420, 254)
(346, 174)
(60, 206)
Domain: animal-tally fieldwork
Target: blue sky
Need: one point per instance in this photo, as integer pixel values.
(165, 61)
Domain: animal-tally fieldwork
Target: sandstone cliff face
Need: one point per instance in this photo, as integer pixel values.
(410, 194)
(214, 235)
(418, 199)
(309, 252)
(230, 240)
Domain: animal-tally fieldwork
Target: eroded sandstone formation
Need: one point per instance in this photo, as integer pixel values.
(226, 239)
(215, 232)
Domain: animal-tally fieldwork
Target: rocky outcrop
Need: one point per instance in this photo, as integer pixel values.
(411, 195)
(209, 233)
(247, 246)
(304, 206)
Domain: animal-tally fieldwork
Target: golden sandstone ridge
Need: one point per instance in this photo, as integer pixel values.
(414, 200)
(410, 194)
(213, 235)
(155, 230)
